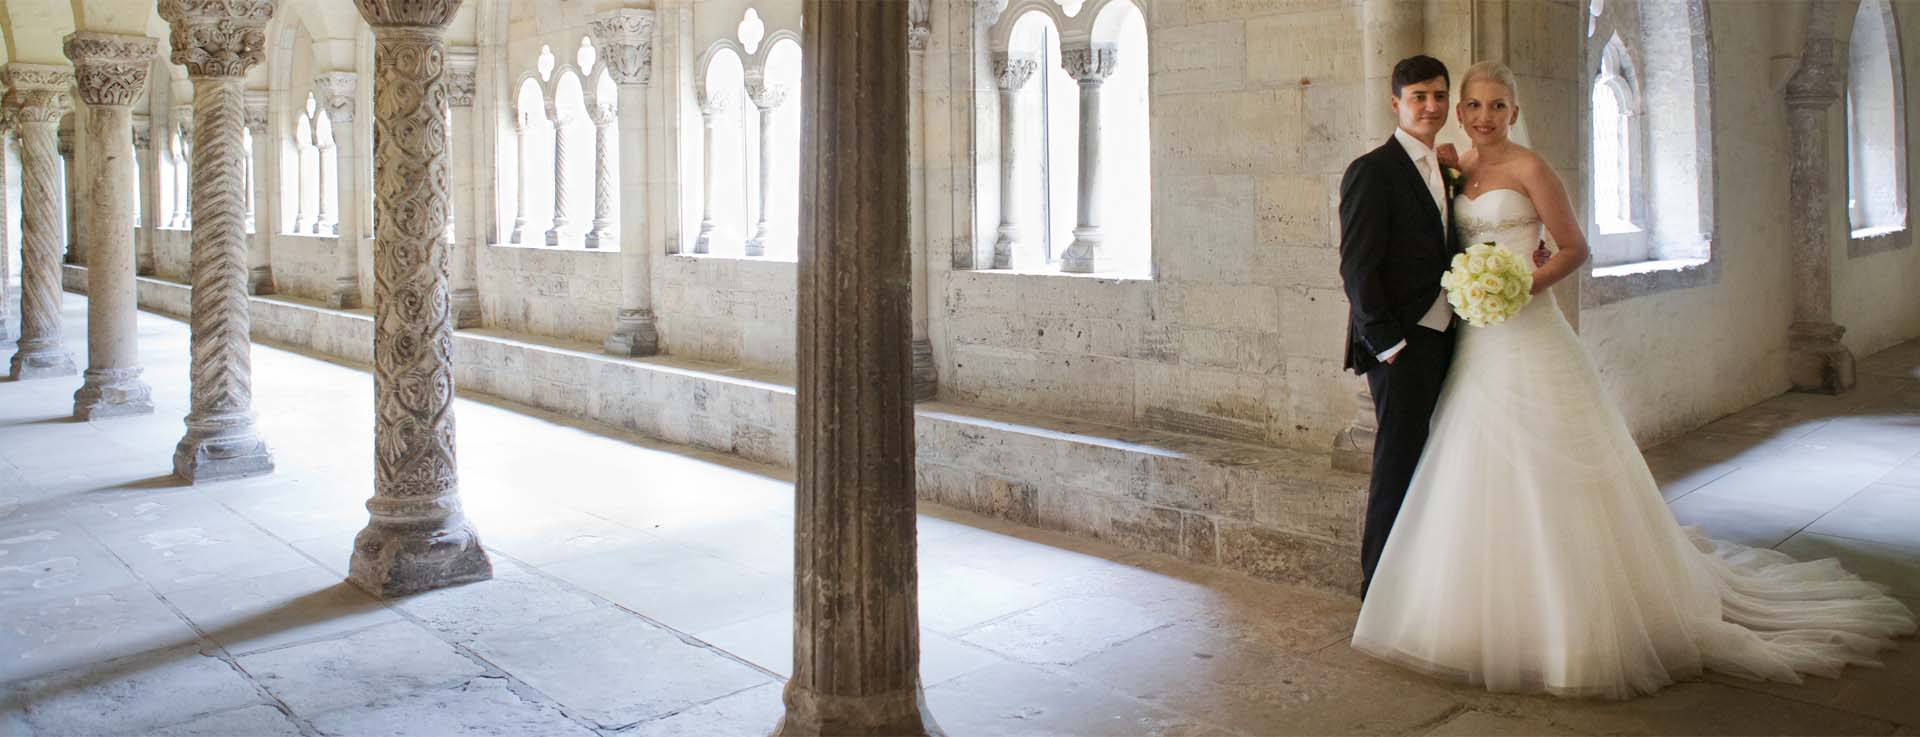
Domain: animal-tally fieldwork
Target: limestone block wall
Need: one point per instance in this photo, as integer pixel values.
(304, 265)
(563, 293)
(727, 310)
(172, 254)
(1873, 292)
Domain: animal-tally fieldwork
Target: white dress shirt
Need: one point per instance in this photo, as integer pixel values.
(1440, 315)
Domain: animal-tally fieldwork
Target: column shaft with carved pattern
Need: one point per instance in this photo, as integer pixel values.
(418, 538)
(766, 98)
(336, 92)
(111, 72)
(259, 254)
(856, 604)
(1817, 362)
(710, 113)
(469, 211)
(6, 260)
(602, 114)
(217, 41)
(1011, 75)
(36, 100)
(562, 199)
(625, 40)
(1090, 65)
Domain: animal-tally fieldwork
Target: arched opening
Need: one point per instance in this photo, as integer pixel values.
(1876, 135)
(1048, 114)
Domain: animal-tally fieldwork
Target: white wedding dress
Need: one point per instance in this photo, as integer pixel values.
(1534, 552)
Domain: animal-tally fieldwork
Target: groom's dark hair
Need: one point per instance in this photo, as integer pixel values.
(1418, 69)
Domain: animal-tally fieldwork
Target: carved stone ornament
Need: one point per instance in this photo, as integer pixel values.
(625, 40)
(1089, 62)
(460, 80)
(217, 38)
(37, 93)
(256, 112)
(334, 91)
(110, 69)
(416, 13)
(1011, 73)
(763, 94)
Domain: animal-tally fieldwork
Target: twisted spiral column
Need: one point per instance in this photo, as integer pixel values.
(36, 101)
(112, 73)
(417, 538)
(217, 40)
(562, 204)
(602, 177)
(6, 264)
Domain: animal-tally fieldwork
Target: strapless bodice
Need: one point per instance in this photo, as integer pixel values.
(1502, 216)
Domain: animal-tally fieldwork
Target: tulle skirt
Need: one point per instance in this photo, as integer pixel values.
(1535, 554)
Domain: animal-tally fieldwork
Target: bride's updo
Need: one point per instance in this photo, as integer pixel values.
(1492, 71)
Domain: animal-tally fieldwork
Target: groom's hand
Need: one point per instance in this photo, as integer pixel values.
(1541, 255)
(1448, 155)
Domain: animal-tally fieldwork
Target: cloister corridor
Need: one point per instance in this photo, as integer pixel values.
(646, 589)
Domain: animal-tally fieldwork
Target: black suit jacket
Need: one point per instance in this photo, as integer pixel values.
(1394, 245)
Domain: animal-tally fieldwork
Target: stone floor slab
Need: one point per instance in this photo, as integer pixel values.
(514, 597)
(281, 609)
(47, 558)
(1748, 522)
(1019, 699)
(1896, 566)
(134, 695)
(1065, 631)
(250, 721)
(360, 668)
(38, 638)
(1881, 513)
(682, 588)
(750, 713)
(482, 707)
(1478, 723)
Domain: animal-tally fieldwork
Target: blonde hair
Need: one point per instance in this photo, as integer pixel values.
(1491, 71)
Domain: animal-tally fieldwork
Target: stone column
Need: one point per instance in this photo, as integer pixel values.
(562, 201)
(925, 376)
(766, 98)
(1011, 75)
(856, 642)
(323, 222)
(602, 114)
(418, 538)
(149, 194)
(70, 182)
(111, 71)
(36, 100)
(711, 110)
(259, 257)
(1090, 65)
(183, 166)
(336, 92)
(1817, 362)
(462, 65)
(217, 41)
(6, 262)
(625, 41)
(521, 123)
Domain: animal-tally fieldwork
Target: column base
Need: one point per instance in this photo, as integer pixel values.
(701, 244)
(754, 248)
(553, 236)
(1817, 363)
(260, 280)
(896, 714)
(41, 364)
(1083, 256)
(926, 380)
(1003, 249)
(597, 237)
(466, 308)
(519, 231)
(221, 457)
(390, 561)
(344, 296)
(635, 334)
(109, 393)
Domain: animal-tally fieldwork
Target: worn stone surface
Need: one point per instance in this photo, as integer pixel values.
(35, 101)
(134, 695)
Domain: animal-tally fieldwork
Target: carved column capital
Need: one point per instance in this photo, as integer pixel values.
(460, 78)
(217, 38)
(1090, 63)
(1012, 73)
(625, 41)
(38, 93)
(334, 91)
(765, 95)
(417, 13)
(713, 108)
(110, 69)
(256, 112)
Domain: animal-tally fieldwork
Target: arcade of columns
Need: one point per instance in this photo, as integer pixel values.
(856, 648)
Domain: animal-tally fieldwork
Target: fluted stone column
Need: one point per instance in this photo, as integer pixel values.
(856, 641)
(259, 255)
(1391, 30)
(625, 40)
(6, 263)
(111, 71)
(602, 114)
(925, 376)
(76, 252)
(711, 110)
(1011, 75)
(767, 98)
(1817, 362)
(150, 215)
(36, 100)
(562, 198)
(522, 123)
(417, 538)
(1090, 66)
(217, 41)
(462, 64)
(336, 92)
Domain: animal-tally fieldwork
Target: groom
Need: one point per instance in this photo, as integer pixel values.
(1395, 226)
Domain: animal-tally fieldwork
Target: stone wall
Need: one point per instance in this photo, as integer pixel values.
(1873, 292)
(304, 265)
(727, 310)
(562, 293)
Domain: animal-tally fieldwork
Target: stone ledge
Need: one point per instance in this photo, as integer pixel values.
(1605, 285)
(1880, 240)
(1275, 513)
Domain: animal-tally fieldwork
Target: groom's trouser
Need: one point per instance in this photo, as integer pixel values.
(1404, 393)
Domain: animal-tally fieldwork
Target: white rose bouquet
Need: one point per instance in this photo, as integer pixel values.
(1487, 284)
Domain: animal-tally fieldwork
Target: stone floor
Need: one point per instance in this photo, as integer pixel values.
(645, 589)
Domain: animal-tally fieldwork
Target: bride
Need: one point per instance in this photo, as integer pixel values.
(1534, 552)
